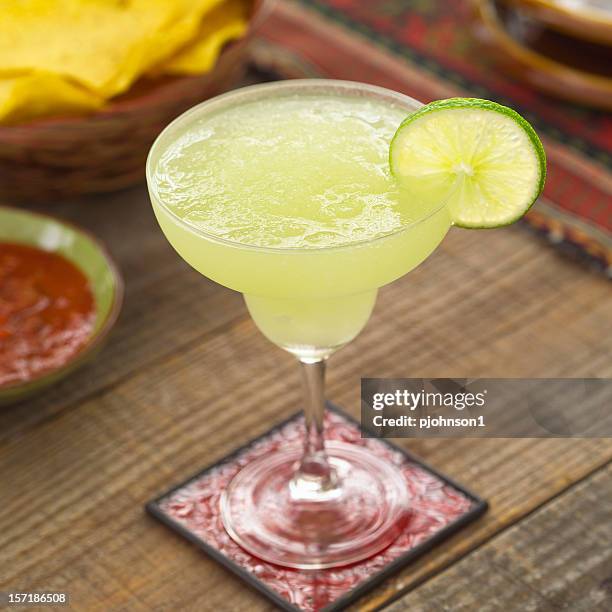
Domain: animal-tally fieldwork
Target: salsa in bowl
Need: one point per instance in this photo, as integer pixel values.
(60, 294)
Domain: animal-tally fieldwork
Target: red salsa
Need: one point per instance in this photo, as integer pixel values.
(47, 312)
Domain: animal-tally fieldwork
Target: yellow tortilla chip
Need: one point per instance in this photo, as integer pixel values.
(104, 45)
(226, 22)
(41, 94)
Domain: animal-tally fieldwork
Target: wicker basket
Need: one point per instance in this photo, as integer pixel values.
(106, 151)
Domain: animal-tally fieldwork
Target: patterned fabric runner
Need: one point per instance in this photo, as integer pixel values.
(425, 48)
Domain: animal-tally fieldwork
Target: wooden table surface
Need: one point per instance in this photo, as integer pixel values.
(186, 377)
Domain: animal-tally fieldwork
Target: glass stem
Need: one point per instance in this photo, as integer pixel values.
(315, 478)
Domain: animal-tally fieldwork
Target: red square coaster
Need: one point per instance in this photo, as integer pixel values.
(439, 508)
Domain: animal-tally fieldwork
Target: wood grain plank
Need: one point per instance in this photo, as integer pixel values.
(559, 558)
(73, 486)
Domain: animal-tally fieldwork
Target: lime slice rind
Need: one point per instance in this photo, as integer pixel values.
(482, 158)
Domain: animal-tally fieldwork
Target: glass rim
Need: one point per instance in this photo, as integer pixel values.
(253, 92)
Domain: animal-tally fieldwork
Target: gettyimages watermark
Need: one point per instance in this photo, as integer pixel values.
(486, 408)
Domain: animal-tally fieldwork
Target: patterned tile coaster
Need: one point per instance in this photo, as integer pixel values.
(440, 507)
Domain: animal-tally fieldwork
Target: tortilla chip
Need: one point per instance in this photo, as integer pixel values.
(226, 22)
(104, 45)
(41, 94)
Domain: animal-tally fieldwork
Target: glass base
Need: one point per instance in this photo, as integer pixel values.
(264, 511)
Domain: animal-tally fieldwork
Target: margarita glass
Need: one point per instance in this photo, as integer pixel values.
(283, 192)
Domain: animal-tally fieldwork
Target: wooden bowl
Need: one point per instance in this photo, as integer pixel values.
(105, 151)
(583, 19)
(550, 61)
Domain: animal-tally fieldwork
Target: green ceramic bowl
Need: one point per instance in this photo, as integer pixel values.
(88, 255)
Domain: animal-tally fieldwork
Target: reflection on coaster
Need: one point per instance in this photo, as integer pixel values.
(439, 507)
